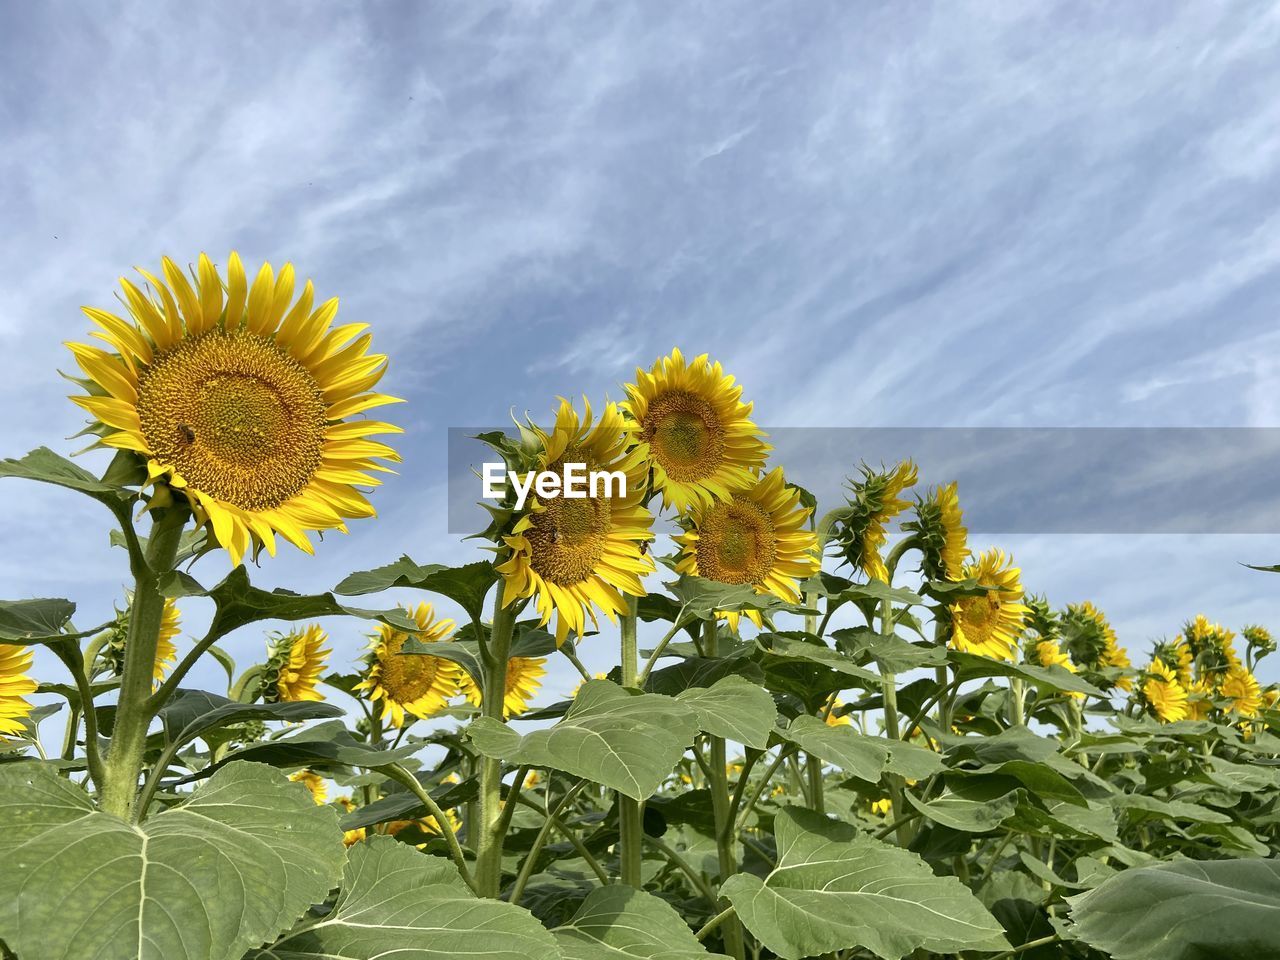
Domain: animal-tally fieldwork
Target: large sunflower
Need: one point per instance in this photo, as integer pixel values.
(873, 502)
(1162, 691)
(240, 401)
(758, 536)
(702, 442)
(944, 540)
(295, 661)
(990, 624)
(576, 554)
(415, 684)
(524, 678)
(15, 661)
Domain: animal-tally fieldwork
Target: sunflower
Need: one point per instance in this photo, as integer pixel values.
(874, 502)
(427, 825)
(315, 783)
(1241, 688)
(1162, 691)
(1259, 638)
(990, 624)
(944, 540)
(1212, 647)
(1092, 642)
(350, 837)
(1199, 700)
(701, 441)
(1175, 655)
(1047, 653)
(166, 652)
(15, 661)
(576, 554)
(416, 684)
(240, 402)
(881, 807)
(295, 661)
(757, 537)
(834, 717)
(523, 676)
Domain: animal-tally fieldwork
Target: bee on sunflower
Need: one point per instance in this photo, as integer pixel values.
(873, 502)
(15, 686)
(989, 624)
(410, 685)
(757, 537)
(295, 661)
(698, 433)
(524, 679)
(576, 555)
(239, 397)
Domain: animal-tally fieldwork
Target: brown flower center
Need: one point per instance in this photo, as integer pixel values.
(736, 542)
(684, 435)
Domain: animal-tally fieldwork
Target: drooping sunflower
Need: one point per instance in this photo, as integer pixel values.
(295, 661)
(1241, 688)
(939, 527)
(239, 398)
(990, 624)
(410, 684)
(1163, 693)
(1259, 639)
(701, 440)
(1175, 655)
(580, 554)
(1212, 648)
(524, 676)
(15, 685)
(315, 783)
(1092, 642)
(873, 502)
(757, 537)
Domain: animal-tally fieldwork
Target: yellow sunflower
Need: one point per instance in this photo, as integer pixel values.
(1162, 691)
(990, 624)
(315, 783)
(601, 675)
(350, 837)
(874, 502)
(295, 661)
(881, 807)
(757, 537)
(702, 443)
(577, 554)
(1212, 648)
(1092, 642)
(1199, 699)
(166, 652)
(944, 539)
(1241, 688)
(834, 717)
(423, 825)
(240, 401)
(1047, 653)
(416, 684)
(1175, 655)
(523, 680)
(15, 661)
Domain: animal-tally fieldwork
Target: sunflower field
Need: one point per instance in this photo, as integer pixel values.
(844, 734)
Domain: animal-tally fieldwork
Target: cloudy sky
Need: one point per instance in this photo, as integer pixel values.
(873, 214)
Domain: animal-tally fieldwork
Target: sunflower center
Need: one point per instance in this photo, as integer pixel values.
(406, 677)
(736, 542)
(568, 538)
(685, 435)
(236, 416)
(979, 615)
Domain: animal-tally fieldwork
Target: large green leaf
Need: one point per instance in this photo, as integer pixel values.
(889, 650)
(34, 621)
(467, 585)
(239, 603)
(971, 666)
(1183, 911)
(625, 740)
(855, 754)
(45, 466)
(705, 599)
(397, 903)
(190, 713)
(735, 709)
(222, 873)
(323, 746)
(791, 646)
(969, 816)
(617, 922)
(834, 888)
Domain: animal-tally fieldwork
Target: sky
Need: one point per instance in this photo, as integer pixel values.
(872, 214)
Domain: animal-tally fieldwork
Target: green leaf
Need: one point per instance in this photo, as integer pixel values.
(34, 621)
(891, 651)
(834, 889)
(622, 739)
(45, 466)
(854, 753)
(704, 599)
(971, 666)
(397, 902)
(735, 709)
(240, 603)
(1183, 911)
(969, 816)
(322, 746)
(190, 713)
(618, 922)
(208, 880)
(403, 805)
(792, 647)
(467, 585)
(700, 672)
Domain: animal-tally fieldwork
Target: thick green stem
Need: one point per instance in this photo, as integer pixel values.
(889, 689)
(134, 713)
(720, 806)
(630, 812)
(813, 765)
(1017, 702)
(494, 691)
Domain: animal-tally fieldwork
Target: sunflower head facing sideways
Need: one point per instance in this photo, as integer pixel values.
(580, 554)
(524, 678)
(111, 655)
(410, 685)
(758, 537)
(873, 502)
(1092, 643)
(15, 686)
(240, 397)
(295, 661)
(701, 441)
(943, 538)
(991, 623)
(1163, 694)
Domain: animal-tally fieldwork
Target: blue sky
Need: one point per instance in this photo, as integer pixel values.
(874, 214)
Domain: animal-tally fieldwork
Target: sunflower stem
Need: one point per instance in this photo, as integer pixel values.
(720, 808)
(493, 696)
(630, 812)
(134, 713)
(889, 688)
